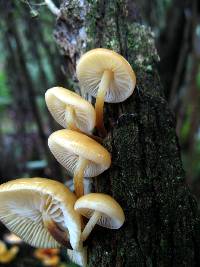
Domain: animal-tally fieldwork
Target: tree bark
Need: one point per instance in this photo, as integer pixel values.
(146, 176)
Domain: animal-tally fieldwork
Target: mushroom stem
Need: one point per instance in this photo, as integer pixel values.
(69, 116)
(60, 236)
(103, 87)
(78, 256)
(90, 225)
(78, 176)
(70, 119)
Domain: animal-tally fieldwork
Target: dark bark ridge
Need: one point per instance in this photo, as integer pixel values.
(146, 176)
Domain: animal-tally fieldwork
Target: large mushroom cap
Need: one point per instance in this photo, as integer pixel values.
(112, 215)
(67, 146)
(57, 98)
(91, 67)
(24, 202)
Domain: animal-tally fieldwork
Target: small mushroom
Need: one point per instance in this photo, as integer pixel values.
(100, 209)
(48, 256)
(107, 76)
(70, 110)
(40, 211)
(80, 155)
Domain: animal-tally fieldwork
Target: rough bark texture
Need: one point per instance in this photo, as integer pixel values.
(146, 176)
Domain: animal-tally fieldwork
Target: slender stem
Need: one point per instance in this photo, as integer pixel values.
(103, 87)
(78, 176)
(78, 256)
(70, 118)
(60, 236)
(90, 225)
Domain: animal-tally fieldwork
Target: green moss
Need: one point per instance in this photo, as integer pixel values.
(139, 38)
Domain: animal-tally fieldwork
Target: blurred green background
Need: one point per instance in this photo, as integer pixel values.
(30, 63)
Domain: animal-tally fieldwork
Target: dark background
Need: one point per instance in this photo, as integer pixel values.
(30, 63)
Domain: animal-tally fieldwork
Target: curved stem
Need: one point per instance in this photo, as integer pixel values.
(90, 225)
(60, 236)
(103, 87)
(78, 176)
(70, 118)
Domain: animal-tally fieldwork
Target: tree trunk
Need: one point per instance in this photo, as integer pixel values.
(146, 176)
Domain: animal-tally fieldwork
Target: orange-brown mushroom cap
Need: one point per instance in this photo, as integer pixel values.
(67, 146)
(24, 203)
(91, 67)
(58, 98)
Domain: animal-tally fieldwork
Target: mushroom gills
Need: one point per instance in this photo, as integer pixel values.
(79, 175)
(90, 225)
(102, 209)
(27, 221)
(70, 110)
(106, 79)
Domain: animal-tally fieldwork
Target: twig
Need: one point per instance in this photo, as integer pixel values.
(52, 7)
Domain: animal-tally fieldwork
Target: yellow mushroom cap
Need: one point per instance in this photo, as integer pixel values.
(91, 67)
(24, 202)
(57, 98)
(9, 254)
(67, 146)
(112, 214)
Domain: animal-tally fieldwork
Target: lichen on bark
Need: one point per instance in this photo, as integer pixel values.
(146, 176)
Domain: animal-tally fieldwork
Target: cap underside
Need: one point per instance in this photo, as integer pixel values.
(69, 161)
(68, 145)
(25, 219)
(112, 215)
(57, 99)
(91, 67)
(22, 211)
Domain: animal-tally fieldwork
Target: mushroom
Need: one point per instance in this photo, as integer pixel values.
(100, 209)
(107, 76)
(70, 110)
(80, 155)
(48, 256)
(7, 255)
(40, 211)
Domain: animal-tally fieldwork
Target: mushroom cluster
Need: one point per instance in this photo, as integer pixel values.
(44, 212)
